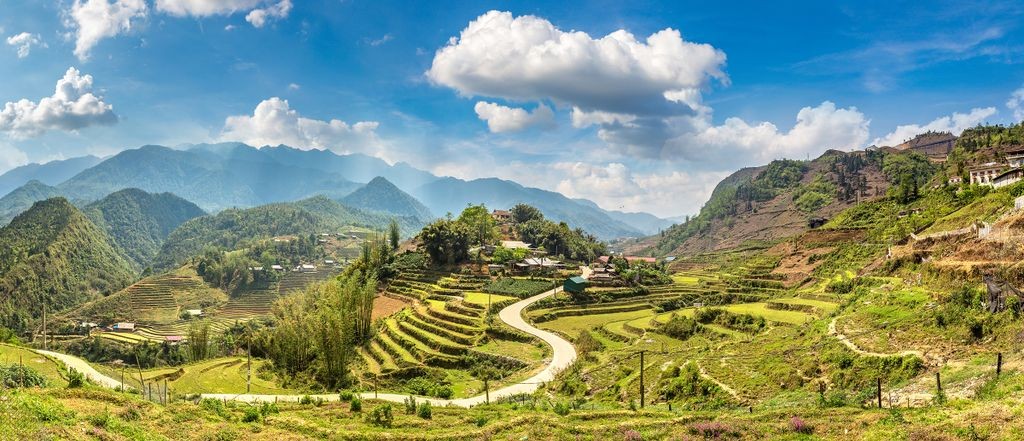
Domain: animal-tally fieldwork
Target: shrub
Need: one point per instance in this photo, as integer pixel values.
(16, 375)
(131, 413)
(680, 327)
(632, 435)
(381, 416)
(306, 399)
(710, 429)
(798, 425)
(345, 395)
(410, 405)
(75, 378)
(252, 415)
(562, 408)
(424, 411)
(356, 405)
(480, 420)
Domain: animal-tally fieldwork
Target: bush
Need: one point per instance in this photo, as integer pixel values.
(252, 415)
(410, 405)
(480, 420)
(75, 378)
(306, 399)
(680, 327)
(562, 408)
(355, 405)
(381, 416)
(424, 411)
(345, 395)
(798, 425)
(16, 375)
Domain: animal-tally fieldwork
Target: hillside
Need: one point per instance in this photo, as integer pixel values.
(49, 173)
(233, 228)
(21, 198)
(53, 255)
(775, 201)
(139, 222)
(381, 196)
(451, 195)
(646, 223)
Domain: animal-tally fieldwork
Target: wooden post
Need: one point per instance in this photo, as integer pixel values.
(642, 379)
(21, 361)
(122, 378)
(879, 391)
(248, 362)
(487, 389)
(938, 382)
(44, 326)
(999, 363)
(142, 381)
(375, 386)
(165, 391)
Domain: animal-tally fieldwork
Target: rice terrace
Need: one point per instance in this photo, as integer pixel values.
(281, 220)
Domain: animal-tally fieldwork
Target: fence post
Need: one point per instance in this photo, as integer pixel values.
(999, 363)
(938, 382)
(879, 392)
(642, 379)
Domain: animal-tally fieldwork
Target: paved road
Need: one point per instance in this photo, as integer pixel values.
(84, 367)
(563, 355)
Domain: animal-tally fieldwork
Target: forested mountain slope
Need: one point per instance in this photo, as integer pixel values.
(53, 255)
(139, 222)
(380, 195)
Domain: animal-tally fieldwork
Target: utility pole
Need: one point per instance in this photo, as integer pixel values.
(44, 326)
(248, 361)
(879, 382)
(999, 363)
(642, 379)
(122, 378)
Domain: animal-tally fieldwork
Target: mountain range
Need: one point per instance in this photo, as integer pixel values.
(231, 175)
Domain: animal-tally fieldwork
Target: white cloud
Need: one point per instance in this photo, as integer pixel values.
(274, 122)
(94, 20)
(380, 41)
(72, 106)
(581, 118)
(24, 42)
(955, 124)
(258, 12)
(294, 86)
(229, 27)
(527, 58)
(502, 119)
(1016, 104)
(11, 157)
(736, 143)
(260, 17)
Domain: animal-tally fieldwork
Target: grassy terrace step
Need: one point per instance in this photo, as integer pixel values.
(462, 308)
(597, 311)
(421, 350)
(371, 364)
(450, 335)
(449, 316)
(433, 341)
(399, 353)
(382, 357)
(422, 314)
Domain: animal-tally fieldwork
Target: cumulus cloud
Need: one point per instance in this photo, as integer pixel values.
(955, 124)
(1016, 104)
(275, 122)
(72, 106)
(527, 58)
(258, 12)
(502, 119)
(737, 143)
(24, 42)
(260, 16)
(94, 20)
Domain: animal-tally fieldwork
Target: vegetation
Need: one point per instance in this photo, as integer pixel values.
(446, 241)
(519, 287)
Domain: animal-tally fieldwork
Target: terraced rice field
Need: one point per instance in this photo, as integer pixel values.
(761, 309)
(219, 375)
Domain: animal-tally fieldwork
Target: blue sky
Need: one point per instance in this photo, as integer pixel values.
(635, 105)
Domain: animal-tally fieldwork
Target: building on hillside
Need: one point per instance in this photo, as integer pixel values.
(174, 339)
(535, 263)
(255, 268)
(955, 180)
(1008, 177)
(328, 262)
(606, 260)
(983, 174)
(277, 267)
(515, 244)
(575, 285)
(194, 312)
(123, 327)
(502, 216)
(1015, 157)
(306, 268)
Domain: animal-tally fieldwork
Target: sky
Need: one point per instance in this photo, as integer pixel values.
(638, 106)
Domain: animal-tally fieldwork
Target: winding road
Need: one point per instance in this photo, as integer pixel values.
(563, 355)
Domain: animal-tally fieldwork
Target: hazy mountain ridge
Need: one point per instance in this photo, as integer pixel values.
(380, 195)
(49, 173)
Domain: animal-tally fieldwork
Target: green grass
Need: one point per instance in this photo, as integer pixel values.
(571, 326)
(480, 298)
(760, 309)
(46, 367)
(519, 288)
(218, 375)
(826, 307)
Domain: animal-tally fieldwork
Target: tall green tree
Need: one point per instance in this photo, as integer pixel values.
(478, 220)
(523, 213)
(446, 241)
(394, 235)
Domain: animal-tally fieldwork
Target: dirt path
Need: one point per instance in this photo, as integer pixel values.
(84, 367)
(853, 346)
(704, 374)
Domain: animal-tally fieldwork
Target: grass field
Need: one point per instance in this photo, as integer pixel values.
(219, 375)
(45, 366)
(571, 326)
(760, 309)
(480, 298)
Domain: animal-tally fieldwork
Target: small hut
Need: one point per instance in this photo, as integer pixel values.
(575, 285)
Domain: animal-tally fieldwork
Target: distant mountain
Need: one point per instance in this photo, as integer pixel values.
(380, 195)
(23, 197)
(139, 222)
(451, 195)
(50, 173)
(232, 228)
(53, 255)
(646, 223)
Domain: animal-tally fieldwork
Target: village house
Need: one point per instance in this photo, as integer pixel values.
(174, 340)
(277, 267)
(984, 174)
(123, 327)
(606, 260)
(1015, 158)
(194, 312)
(955, 180)
(1008, 177)
(515, 244)
(502, 216)
(306, 268)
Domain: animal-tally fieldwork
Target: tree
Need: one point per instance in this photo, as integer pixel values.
(199, 340)
(482, 228)
(504, 255)
(446, 241)
(523, 213)
(394, 236)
